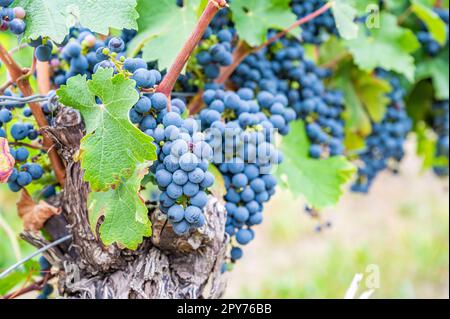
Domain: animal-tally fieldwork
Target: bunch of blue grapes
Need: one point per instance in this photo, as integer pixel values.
(47, 290)
(222, 19)
(218, 55)
(242, 137)
(26, 168)
(83, 53)
(284, 71)
(441, 127)
(181, 171)
(431, 46)
(385, 146)
(256, 72)
(12, 18)
(320, 108)
(318, 29)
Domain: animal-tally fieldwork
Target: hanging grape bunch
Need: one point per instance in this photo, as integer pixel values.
(12, 19)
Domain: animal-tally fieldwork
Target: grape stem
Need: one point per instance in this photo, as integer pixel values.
(5, 86)
(43, 77)
(17, 76)
(35, 286)
(191, 43)
(334, 62)
(34, 147)
(18, 48)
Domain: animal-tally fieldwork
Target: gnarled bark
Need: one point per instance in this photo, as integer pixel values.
(164, 266)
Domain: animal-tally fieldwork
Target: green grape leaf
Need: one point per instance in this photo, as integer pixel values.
(389, 47)
(163, 29)
(113, 147)
(54, 18)
(419, 102)
(332, 53)
(19, 276)
(365, 101)
(372, 91)
(320, 181)
(126, 220)
(344, 15)
(436, 69)
(254, 18)
(432, 21)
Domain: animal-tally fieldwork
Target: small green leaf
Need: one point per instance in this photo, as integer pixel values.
(126, 220)
(389, 47)
(54, 18)
(163, 29)
(113, 147)
(345, 15)
(320, 181)
(433, 22)
(254, 18)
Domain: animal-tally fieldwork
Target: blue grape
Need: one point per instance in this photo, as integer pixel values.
(181, 228)
(244, 236)
(176, 213)
(44, 52)
(5, 116)
(24, 179)
(236, 253)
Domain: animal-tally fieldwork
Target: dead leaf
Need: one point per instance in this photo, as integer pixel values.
(34, 215)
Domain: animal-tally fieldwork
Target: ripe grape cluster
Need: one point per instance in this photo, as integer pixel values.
(321, 109)
(12, 18)
(385, 146)
(27, 169)
(284, 70)
(83, 53)
(431, 46)
(241, 136)
(441, 127)
(181, 171)
(318, 29)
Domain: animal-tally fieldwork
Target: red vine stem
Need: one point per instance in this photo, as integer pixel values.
(175, 70)
(17, 76)
(38, 285)
(5, 86)
(298, 23)
(43, 77)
